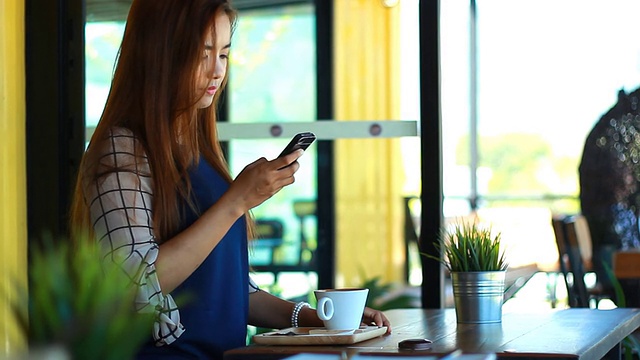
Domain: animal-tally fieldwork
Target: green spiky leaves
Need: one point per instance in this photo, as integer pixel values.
(79, 303)
(468, 247)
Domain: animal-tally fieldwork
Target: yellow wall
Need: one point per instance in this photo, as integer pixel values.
(369, 212)
(13, 226)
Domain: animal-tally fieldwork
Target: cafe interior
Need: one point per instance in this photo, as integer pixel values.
(426, 113)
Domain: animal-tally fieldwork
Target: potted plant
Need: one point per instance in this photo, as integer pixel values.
(477, 265)
(79, 307)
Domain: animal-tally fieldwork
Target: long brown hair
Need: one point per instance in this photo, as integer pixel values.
(153, 95)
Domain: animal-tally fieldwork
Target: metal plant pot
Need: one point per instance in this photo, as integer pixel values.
(478, 296)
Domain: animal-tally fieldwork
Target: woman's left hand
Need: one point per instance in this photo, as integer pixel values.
(375, 317)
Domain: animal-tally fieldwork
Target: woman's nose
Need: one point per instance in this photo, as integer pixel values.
(218, 69)
(213, 69)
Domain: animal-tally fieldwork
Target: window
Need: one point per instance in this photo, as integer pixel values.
(546, 72)
(103, 40)
(266, 42)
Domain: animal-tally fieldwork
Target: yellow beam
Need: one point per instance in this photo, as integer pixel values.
(369, 175)
(13, 227)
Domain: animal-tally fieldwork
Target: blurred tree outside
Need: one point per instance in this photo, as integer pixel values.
(523, 165)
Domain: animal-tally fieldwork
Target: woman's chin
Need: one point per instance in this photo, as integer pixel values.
(205, 102)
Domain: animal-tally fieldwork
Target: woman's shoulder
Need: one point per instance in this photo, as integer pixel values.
(121, 148)
(115, 140)
(121, 138)
(119, 131)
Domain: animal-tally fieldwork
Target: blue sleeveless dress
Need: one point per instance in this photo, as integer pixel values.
(215, 315)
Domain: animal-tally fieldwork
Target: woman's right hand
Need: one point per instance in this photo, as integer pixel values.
(262, 179)
(180, 256)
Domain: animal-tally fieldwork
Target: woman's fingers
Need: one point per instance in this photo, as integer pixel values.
(285, 162)
(371, 317)
(262, 179)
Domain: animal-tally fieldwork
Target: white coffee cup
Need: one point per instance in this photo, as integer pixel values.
(341, 309)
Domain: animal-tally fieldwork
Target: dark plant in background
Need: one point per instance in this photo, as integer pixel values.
(631, 344)
(80, 304)
(381, 296)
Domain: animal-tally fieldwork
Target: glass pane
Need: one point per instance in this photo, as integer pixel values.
(561, 80)
(265, 42)
(273, 80)
(539, 99)
(455, 70)
(546, 72)
(410, 146)
(102, 43)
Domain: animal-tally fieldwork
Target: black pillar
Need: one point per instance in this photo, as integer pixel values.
(55, 111)
(325, 253)
(431, 149)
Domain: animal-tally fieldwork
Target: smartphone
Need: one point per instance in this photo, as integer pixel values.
(299, 141)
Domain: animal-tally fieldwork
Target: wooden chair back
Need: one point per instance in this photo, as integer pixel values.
(577, 243)
(568, 257)
(579, 235)
(626, 264)
(557, 222)
(270, 233)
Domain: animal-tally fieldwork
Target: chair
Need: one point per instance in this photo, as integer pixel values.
(574, 249)
(410, 235)
(626, 264)
(576, 262)
(304, 209)
(269, 237)
(566, 259)
(626, 269)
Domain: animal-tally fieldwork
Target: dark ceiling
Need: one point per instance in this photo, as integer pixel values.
(116, 10)
(107, 10)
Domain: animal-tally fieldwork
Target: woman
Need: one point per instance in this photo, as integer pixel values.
(155, 192)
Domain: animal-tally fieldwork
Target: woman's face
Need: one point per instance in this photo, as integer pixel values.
(213, 66)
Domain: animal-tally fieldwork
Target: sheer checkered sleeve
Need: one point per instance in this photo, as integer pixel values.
(253, 287)
(121, 212)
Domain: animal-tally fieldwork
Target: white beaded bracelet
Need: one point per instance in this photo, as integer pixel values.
(296, 312)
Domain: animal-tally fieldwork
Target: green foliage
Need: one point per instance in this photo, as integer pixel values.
(506, 156)
(522, 164)
(630, 343)
(469, 247)
(82, 305)
(378, 296)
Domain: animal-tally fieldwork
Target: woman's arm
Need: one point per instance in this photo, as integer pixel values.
(180, 256)
(120, 203)
(269, 311)
(260, 180)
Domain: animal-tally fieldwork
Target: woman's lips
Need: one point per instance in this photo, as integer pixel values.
(211, 90)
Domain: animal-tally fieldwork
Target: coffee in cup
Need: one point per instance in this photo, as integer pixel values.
(341, 309)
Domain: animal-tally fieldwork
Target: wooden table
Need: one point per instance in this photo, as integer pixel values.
(553, 334)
